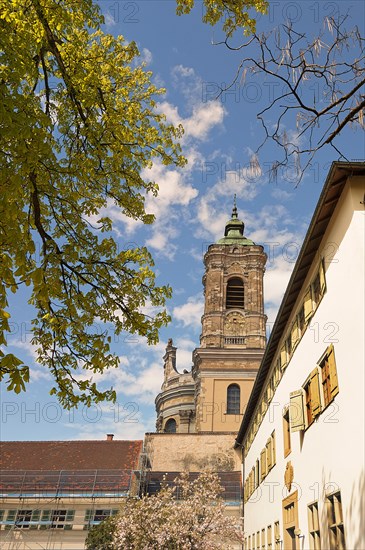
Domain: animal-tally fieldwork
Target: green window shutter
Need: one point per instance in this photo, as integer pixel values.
(296, 411)
(88, 515)
(332, 371)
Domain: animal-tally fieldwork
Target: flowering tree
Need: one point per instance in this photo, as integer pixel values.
(189, 515)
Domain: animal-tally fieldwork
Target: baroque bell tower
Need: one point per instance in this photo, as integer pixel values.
(233, 334)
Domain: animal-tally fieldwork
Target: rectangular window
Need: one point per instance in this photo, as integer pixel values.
(308, 305)
(23, 519)
(294, 334)
(257, 474)
(329, 375)
(288, 345)
(58, 519)
(269, 537)
(277, 535)
(11, 515)
(249, 543)
(100, 515)
(335, 522)
(316, 289)
(258, 540)
(313, 526)
(286, 432)
(319, 285)
(253, 542)
(301, 320)
(290, 521)
(277, 373)
(62, 519)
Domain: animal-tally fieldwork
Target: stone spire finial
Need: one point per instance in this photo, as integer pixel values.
(234, 210)
(233, 232)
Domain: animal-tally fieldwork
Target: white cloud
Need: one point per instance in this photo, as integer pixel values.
(281, 195)
(146, 56)
(189, 314)
(123, 428)
(204, 117)
(212, 214)
(109, 20)
(185, 348)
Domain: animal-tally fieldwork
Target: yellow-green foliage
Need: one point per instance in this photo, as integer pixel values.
(234, 13)
(78, 125)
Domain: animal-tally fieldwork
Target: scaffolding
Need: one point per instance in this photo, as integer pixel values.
(19, 484)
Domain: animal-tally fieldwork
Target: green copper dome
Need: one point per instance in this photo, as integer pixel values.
(233, 233)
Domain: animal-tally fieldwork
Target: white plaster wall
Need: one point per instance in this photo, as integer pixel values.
(330, 455)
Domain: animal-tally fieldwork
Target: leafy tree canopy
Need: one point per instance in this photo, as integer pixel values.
(78, 126)
(100, 537)
(234, 13)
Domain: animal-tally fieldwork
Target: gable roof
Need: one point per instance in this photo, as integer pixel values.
(331, 193)
(70, 455)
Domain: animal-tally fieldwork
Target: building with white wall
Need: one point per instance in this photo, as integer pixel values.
(302, 435)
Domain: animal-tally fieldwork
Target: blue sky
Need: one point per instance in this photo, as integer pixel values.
(192, 208)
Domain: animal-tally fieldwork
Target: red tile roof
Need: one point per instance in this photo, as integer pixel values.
(70, 455)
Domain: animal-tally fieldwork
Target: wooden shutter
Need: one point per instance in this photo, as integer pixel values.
(263, 463)
(283, 357)
(315, 395)
(296, 411)
(294, 334)
(332, 371)
(273, 448)
(269, 454)
(308, 306)
(322, 278)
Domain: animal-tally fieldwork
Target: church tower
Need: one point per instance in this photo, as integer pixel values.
(233, 335)
(213, 396)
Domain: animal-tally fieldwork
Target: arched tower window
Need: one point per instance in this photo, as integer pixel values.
(170, 426)
(233, 399)
(235, 298)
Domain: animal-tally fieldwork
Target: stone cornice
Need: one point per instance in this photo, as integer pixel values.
(172, 393)
(226, 354)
